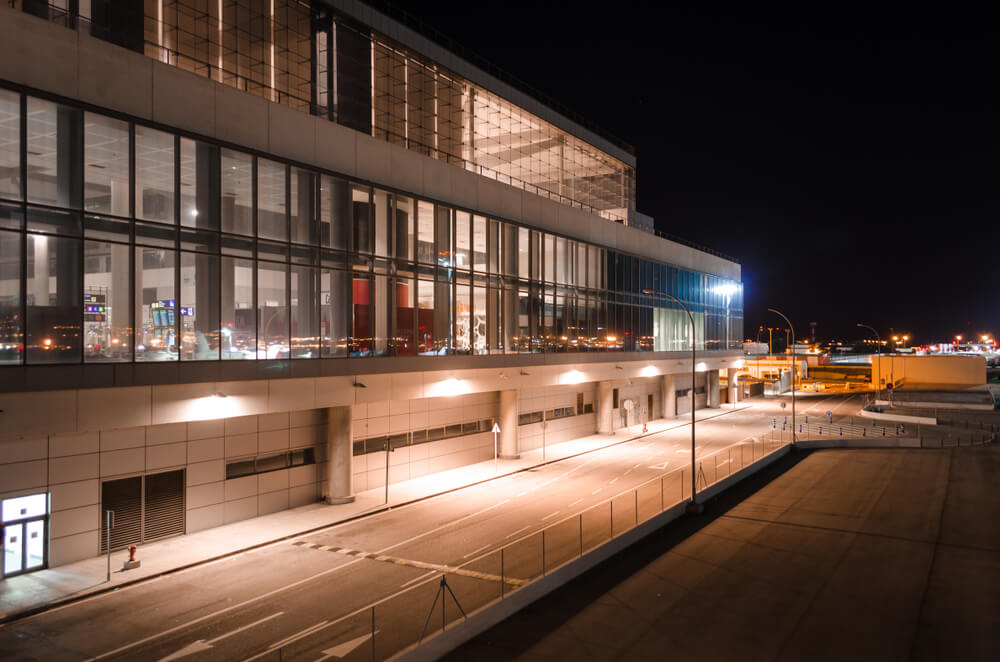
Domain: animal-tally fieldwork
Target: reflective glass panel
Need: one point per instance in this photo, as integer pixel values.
(199, 307)
(107, 313)
(55, 299)
(106, 187)
(272, 220)
(55, 154)
(272, 311)
(10, 144)
(154, 175)
(238, 329)
(237, 192)
(11, 324)
(155, 304)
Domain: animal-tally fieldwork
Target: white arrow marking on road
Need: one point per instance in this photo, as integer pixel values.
(659, 466)
(343, 649)
(202, 645)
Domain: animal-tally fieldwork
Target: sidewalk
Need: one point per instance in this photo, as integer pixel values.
(38, 591)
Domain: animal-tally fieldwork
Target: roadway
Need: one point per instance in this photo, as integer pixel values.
(310, 597)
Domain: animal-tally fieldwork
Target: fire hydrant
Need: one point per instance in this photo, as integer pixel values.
(131, 562)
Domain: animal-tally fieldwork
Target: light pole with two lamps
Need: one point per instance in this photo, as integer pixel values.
(693, 506)
(792, 330)
(878, 354)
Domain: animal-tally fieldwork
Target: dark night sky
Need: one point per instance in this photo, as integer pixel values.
(848, 160)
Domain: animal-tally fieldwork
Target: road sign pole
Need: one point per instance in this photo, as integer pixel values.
(109, 516)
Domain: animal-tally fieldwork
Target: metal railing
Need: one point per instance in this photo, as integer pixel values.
(451, 593)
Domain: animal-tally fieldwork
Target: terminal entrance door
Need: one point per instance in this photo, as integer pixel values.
(25, 531)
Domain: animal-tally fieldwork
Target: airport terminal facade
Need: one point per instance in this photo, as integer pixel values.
(246, 247)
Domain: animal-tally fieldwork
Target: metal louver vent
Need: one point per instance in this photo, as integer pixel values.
(124, 497)
(164, 505)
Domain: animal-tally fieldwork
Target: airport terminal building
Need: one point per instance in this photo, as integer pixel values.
(246, 246)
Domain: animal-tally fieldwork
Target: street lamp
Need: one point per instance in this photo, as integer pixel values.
(878, 353)
(792, 329)
(694, 506)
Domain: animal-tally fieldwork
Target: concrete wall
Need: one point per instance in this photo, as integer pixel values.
(942, 369)
(71, 467)
(54, 59)
(409, 462)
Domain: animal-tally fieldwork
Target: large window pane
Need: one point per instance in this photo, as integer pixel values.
(11, 324)
(404, 317)
(442, 232)
(303, 206)
(106, 186)
(237, 192)
(272, 221)
(479, 318)
(55, 154)
(155, 304)
(10, 145)
(239, 334)
(199, 185)
(425, 233)
(383, 224)
(362, 219)
(463, 318)
(52, 329)
(154, 175)
(336, 312)
(107, 313)
(463, 240)
(404, 228)
(425, 317)
(305, 312)
(272, 311)
(336, 224)
(361, 335)
(199, 309)
(479, 243)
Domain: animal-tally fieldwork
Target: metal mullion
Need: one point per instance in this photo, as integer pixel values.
(255, 254)
(288, 258)
(82, 181)
(23, 155)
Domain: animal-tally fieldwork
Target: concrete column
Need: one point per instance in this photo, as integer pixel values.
(669, 396)
(339, 455)
(508, 425)
(733, 390)
(605, 404)
(712, 384)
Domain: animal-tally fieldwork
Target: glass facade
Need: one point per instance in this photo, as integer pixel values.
(306, 56)
(120, 242)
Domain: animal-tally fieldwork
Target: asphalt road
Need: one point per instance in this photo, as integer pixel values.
(311, 598)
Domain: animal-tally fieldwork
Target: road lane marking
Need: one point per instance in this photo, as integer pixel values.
(613, 480)
(525, 493)
(476, 551)
(346, 648)
(550, 515)
(298, 635)
(417, 579)
(523, 528)
(596, 491)
(203, 645)
(424, 565)
(574, 503)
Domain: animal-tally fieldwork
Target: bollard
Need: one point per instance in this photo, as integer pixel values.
(883, 432)
(841, 430)
(864, 432)
(821, 430)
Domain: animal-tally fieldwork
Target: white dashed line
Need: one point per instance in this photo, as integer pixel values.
(596, 491)
(574, 503)
(522, 529)
(550, 515)
(476, 551)
(612, 481)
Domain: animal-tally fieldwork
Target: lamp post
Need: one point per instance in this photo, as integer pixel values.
(878, 354)
(694, 506)
(792, 330)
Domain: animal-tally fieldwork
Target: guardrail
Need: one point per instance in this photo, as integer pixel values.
(936, 436)
(404, 620)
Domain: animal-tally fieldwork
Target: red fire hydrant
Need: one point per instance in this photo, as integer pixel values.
(131, 564)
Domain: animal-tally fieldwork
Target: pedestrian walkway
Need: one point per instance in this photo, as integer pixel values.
(46, 588)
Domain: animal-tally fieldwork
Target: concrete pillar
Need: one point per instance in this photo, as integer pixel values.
(669, 396)
(339, 455)
(605, 404)
(712, 384)
(508, 425)
(733, 390)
